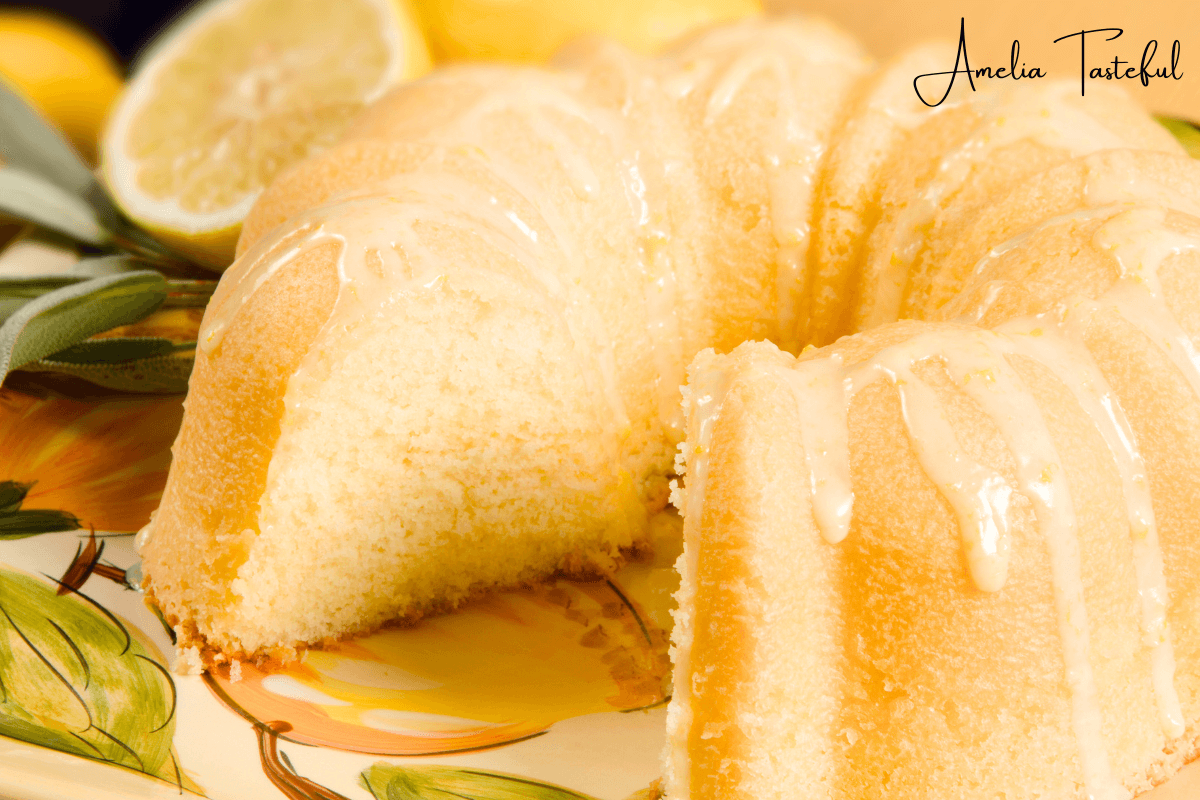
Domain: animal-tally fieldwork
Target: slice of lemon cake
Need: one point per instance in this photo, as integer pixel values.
(449, 355)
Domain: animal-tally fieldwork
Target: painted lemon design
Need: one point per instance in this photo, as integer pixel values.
(235, 92)
(531, 30)
(64, 72)
(498, 670)
(104, 463)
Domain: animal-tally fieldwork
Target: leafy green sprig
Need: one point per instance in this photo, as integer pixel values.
(47, 320)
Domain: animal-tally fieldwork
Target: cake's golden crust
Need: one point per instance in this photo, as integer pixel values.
(575, 566)
(346, 166)
(892, 603)
(229, 429)
(941, 689)
(522, 392)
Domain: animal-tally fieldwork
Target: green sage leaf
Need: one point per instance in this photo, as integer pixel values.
(420, 782)
(164, 374)
(115, 349)
(1188, 133)
(30, 143)
(67, 316)
(189, 293)
(28, 196)
(79, 680)
(17, 291)
(107, 265)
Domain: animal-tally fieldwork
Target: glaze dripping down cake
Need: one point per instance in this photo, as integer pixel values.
(945, 557)
(448, 356)
(954, 556)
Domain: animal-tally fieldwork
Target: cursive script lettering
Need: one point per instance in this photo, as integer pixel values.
(1143, 72)
(962, 65)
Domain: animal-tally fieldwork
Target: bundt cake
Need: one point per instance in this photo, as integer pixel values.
(954, 555)
(947, 556)
(448, 356)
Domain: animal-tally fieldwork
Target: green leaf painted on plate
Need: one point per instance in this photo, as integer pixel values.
(12, 494)
(31, 522)
(390, 782)
(30, 197)
(1188, 133)
(75, 678)
(18, 524)
(67, 316)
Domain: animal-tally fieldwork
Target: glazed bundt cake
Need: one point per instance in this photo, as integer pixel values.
(448, 357)
(956, 557)
(447, 360)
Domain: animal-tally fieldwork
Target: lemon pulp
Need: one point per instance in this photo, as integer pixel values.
(240, 90)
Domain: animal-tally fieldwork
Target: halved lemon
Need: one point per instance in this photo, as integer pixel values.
(234, 92)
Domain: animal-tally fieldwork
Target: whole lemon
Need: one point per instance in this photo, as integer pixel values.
(532, 30)
(64, 72)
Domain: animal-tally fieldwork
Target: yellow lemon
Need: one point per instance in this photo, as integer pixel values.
(66, 74)
(531, 30)
(238, 90)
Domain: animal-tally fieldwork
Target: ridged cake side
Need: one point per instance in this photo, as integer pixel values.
(525, 260)
(1007, 498)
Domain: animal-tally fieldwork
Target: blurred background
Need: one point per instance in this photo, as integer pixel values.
(124, 26)
(884, 25)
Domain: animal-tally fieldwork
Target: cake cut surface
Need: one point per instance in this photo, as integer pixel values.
(448, 357)
(947, 556)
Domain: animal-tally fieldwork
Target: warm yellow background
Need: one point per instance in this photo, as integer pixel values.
(886, 27)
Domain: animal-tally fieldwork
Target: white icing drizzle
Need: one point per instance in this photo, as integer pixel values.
(821, 390)
(1059, 347)
(977, 362)
(1022, 238)
(1135, 235)
(1037, 113)
(644, 175)
(143, 536)
(893, 94)
(792, 153)
(792, 148)
(978, 494)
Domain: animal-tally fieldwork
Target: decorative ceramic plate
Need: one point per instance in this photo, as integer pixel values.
(553, 693)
